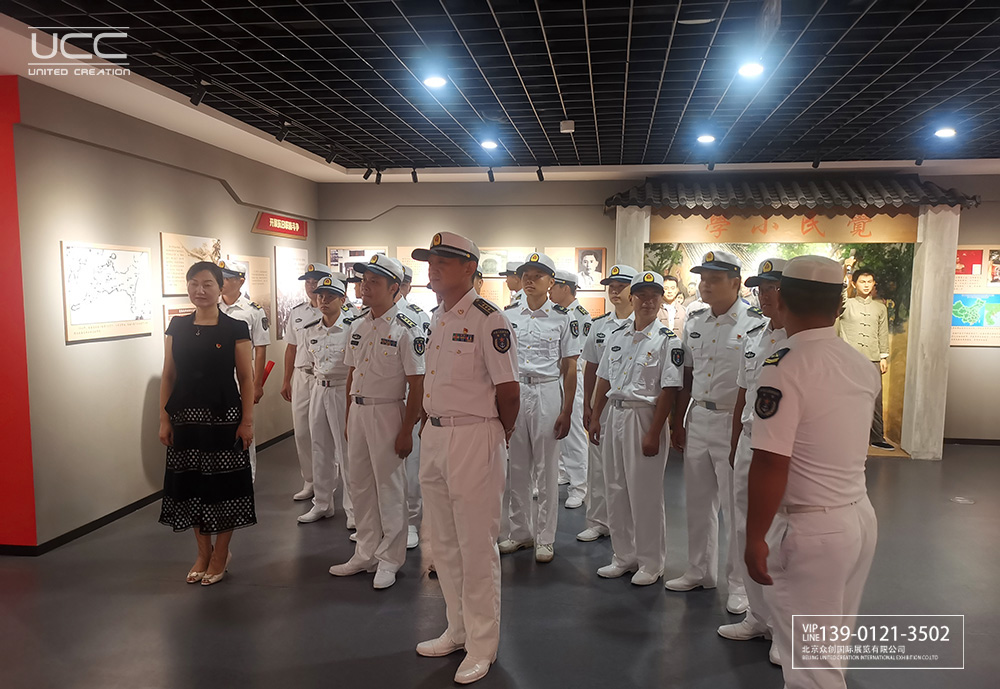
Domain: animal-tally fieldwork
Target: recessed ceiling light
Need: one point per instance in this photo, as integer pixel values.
(706, 139)
(435, 82)
(488, 144)
(945, 133)
(751, 69)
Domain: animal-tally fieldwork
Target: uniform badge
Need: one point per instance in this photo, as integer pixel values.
(586, 329)
(776, 357)
(533, 259)
(677, 357)
(463, 337)
(501, 340)
(750, 355)
(616, 348)
(600, 337)
(266, 323)
(615, 270)
(695, 335)
(427, 328)
(313, 341)
(437, 240)
(389, 343)
(419, 345)
(648, 277)
(374, 259)
(710, 256)
(574, 328)
(767, 402)
(766, 267)
(667, 331)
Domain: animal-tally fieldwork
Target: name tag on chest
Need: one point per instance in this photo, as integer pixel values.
(389, 343)
(463, 337)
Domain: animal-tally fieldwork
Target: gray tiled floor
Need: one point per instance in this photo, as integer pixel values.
(111, 610)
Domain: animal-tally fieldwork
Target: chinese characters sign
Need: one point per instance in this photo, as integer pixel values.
(810, 227)
(280, 226)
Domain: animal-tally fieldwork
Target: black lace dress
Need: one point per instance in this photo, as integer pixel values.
(207, 484)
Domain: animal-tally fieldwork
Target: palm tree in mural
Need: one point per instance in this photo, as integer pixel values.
(661, 258)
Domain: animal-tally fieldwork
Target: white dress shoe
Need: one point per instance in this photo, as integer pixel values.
(383, 579)
(737, 603)
(641, 578)
(472, 670)
(305, 494)
(687, 582)
(412, 537)
(508, 546)
(353, 538)
(544, 553)
(743, 630)
(591, 534)
(441, 646)
(350, 523)
(773, 656)
(350, 568)
(574, 501)
(564, 480)
(314, 515)
(614, 571)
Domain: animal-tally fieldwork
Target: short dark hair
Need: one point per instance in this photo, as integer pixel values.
(808, 298)
(861, 271)
(215, 270)
(674, 279)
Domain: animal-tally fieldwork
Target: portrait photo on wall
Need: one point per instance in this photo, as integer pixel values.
(590, 263)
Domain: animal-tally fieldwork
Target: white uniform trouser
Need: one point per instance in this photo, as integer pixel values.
(462, 480)
(413, 501)
(377, 483)
(573, 448)
(758, 613)
(820, 568)
(597, 502)
(327, 408)
(302, 384)
(534, 458)
(636, 511)
(707, 483)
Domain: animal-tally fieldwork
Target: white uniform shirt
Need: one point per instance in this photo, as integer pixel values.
(383, 351)
(470, 351)
(584, 324)
(414, 312)
(760, 343)
(714, 348)
(639, 364)
(250, 313)
(595, 345)
(814, 404)
(300, 316)
(327, 347)
(543, 337)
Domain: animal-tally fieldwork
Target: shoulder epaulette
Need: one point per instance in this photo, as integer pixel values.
(484, 306)
(414, 308)
(756, 328)
(754, 311)
(603, 315)
(406, 320)
(348, 321)
(510, 306)
(560, 309)
(434, 310)
(345, 308)
(309, 325)
(776, 357)
(583, 311)
(698, 311)
(256, 305)
(300, 304)
(667, 331)
(621, 327)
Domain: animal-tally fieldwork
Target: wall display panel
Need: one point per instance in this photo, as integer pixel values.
(178, 252)
(495, 289)
(172, 310)
(342, 259)
(419, 268)
(595, 304)
(975, 313)
(493, 260)
(106, 291)
(257, 287)
(289, 264)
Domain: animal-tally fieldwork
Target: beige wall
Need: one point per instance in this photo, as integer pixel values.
(971, 411)
(94, 405)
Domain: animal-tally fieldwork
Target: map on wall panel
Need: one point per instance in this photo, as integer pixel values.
(106, 291)
(975, 309)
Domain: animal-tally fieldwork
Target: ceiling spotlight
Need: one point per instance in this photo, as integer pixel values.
(816, 164)
(539, 175)
(488, 144)
(368, 173)
(945, 133)
(711, 166)
(489, 173)
(330, 155)
(751, 70)
(280, 136)
(378, 177)
(199, 92)
(435, 82)
(706, 139)
(413, 175)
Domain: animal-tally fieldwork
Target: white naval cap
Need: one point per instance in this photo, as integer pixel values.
(332, 285)
(448, 244)
(566, 277)
(540, 262)
(768, 271)
(814, 269)
(648, 278)
(230, 270)
(316, 271)
(512, 267)
(718, 260)
(380, 264)
(407, 274)
(620, 273)
(340, 276)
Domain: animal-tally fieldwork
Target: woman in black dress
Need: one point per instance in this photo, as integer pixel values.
(206, 422)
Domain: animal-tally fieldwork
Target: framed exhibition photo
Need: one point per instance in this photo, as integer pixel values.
(106, 291)
(590, 265)
(178, 252)
(493, 260)
(341, 259)
(289, 264)
(975, 310)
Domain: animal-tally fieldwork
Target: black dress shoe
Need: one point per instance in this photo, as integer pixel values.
(883, 445)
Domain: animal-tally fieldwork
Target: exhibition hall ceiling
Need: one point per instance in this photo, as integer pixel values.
(842, 80)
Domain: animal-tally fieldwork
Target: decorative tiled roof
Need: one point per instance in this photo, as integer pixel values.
(788, 192)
